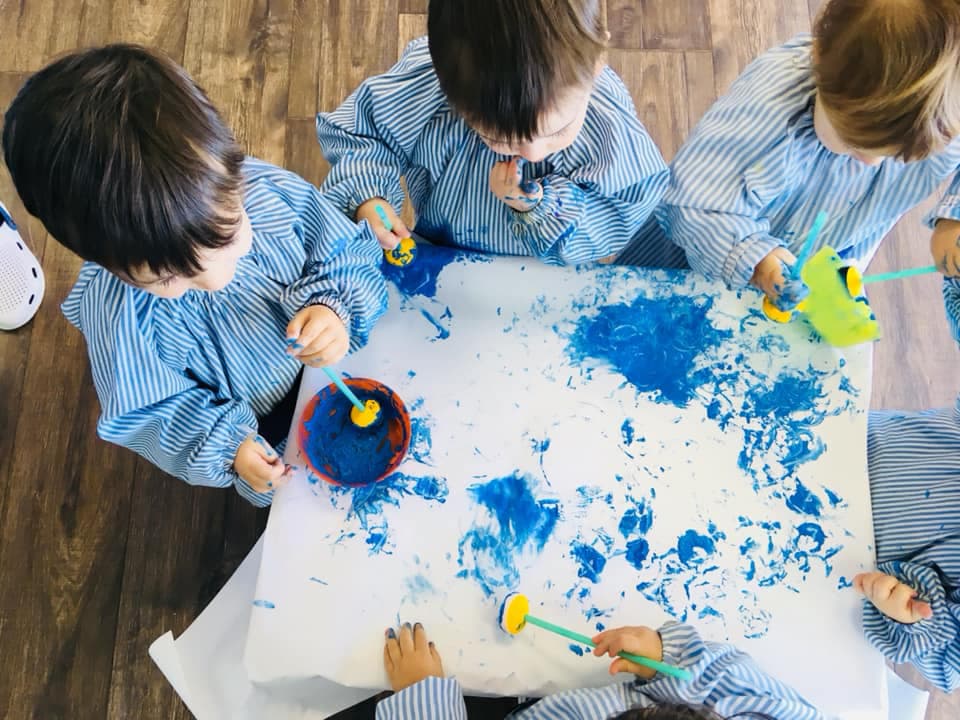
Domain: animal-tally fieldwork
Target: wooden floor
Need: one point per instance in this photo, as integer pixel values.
(99, 552)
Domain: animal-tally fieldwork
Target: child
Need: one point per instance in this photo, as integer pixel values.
(199, 263)
(858, 122)
(912, 613)
(512, 135)
(726, 681)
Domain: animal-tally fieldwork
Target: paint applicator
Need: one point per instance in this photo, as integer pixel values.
(363, 415)
(404, 253)
(515, 615)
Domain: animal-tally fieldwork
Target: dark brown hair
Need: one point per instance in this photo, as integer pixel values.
(888, 73)
(502, 63)
(125, 160)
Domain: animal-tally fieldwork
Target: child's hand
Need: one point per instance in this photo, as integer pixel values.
(317, 337)
(388, 239)
(410, 657)
(506, 182)
(258, 464)
(893, 598)
(772, 275)
(945, 247)
(636, 640)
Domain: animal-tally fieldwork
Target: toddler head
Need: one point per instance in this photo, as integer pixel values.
(519, 72)
(888, 77)
(127, 163)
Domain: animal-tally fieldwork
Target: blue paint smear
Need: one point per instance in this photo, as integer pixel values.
(264, 604)
(626, 430)
(636, 520)
(576, 649)
(319, 581)
(368, 502)
(517, 522)
(420, 276)
(843, 583)
(442, 332)
(637, 552)
(421, 439)
(804, 502)
(693, 548)
(655, 343)
(590, 562)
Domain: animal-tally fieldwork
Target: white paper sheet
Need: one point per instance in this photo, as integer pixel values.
(205, 666)
(702, 462)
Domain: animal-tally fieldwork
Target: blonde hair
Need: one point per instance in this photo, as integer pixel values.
(888, 73)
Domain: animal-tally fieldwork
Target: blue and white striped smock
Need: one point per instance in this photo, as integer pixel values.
(753, 176)
(726, 680)
(178, 380)
(597, 193)
(914, 463)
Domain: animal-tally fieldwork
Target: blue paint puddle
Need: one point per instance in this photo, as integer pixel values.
(513, 522)
(590, 562)
(656, 343)
(369, 502)
(264, 604)
(804, 502)
(576, 649)
(420, 276)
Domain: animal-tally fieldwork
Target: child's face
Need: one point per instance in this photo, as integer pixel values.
(219, 267)
(560, 127)
(831, 140)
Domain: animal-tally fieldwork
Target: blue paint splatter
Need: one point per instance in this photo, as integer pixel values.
(264, 604)
(421, 439)
(590, 562)
(804, 502)
(576, 649)
(518, 522)
(637, 552)
(636, 520)
(693, 548)
(420, 277)
(657, 344)
(368, 503)
(319, 581)
(843, 583)
(626, 430)
(442, 332)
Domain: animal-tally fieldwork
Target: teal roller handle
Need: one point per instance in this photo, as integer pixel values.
(338, 381)
(897, 274)
(383, 217)
(818, 223)
(660, 667)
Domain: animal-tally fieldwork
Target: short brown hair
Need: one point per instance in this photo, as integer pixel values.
(888, 73)
(125, 160)
(502, 63)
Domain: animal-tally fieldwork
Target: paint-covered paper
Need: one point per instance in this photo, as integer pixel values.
(621, 445)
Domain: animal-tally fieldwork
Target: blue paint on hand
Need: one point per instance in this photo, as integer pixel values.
(516, 522)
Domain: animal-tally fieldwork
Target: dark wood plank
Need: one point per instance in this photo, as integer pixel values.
(625, 24)
(160, 25)
(305, 69)
(742, 29)
(657, 82)
(409, 27)
(675, 25)
(412, 6)
(701, 84)
(34, 32)
(303, 154)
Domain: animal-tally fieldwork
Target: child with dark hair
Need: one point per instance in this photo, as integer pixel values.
(726, 683)
(210, 278)
(512, 134)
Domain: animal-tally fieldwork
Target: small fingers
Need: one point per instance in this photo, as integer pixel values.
(392, 647)
(420, 641)
(406, 639)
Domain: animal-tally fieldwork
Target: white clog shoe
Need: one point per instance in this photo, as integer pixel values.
(21, 279)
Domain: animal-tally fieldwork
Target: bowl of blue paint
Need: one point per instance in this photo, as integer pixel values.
(343, 453)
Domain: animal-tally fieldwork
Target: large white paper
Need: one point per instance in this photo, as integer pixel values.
(623, 446)
(205, 664)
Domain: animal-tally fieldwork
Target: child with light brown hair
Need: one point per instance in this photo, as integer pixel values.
(860, 121)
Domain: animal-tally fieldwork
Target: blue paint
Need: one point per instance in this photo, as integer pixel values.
(626, 430)
(369, 502)
(789, 393)
(516, 522)
(346, 453)
(832, 497)
(655, 343)
(693, 548)
(804, 502)
(601, 627)
(576, 649)
(442, 332)
(264, 604)
(638, 519)
(637, 551)
(420, 277)
(421, 438)
(843, 583)
(319, 581)
(590, 562)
